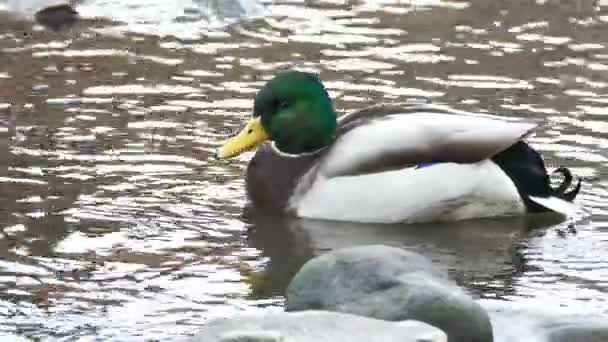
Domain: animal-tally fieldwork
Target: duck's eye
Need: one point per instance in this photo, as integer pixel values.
(283, 105)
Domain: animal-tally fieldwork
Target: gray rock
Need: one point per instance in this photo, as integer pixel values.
(390, 284)
(315, 326)
(580, 333)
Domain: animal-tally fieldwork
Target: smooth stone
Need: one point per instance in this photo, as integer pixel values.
(391, 284)
(251, 336)
(539, 323)
(580, 333)
(314, 326)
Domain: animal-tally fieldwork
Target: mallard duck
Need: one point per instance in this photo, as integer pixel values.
(388, 164)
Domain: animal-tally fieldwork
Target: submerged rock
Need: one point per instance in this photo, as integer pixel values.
(390, 284)
(57, 17)
(315, 326)
(54, 14)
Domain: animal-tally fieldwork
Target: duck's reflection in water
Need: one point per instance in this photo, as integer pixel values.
(482, 255)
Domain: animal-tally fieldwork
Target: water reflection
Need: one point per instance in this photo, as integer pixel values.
(482, 255)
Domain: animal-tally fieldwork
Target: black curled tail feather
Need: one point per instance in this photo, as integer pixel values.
(526, 168)
(560, 191)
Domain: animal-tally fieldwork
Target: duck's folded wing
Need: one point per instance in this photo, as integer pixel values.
(402, 140)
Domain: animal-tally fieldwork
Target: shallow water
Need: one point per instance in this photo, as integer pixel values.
(117, 223)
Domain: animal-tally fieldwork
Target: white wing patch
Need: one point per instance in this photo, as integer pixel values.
(425, 134)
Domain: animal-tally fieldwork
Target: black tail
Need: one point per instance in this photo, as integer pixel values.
(527, 170)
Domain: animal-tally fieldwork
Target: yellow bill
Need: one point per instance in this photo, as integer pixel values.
(250, 137)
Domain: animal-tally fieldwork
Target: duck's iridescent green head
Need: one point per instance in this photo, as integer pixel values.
(294, 110)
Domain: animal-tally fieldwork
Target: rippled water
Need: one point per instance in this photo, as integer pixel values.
(116, 223)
